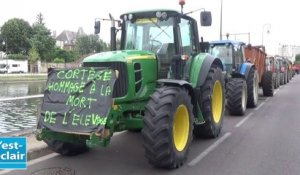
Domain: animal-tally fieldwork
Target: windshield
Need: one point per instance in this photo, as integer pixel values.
(2, 66)
(149, 34)
(224, 52)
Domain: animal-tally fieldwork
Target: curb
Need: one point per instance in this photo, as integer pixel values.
(35, 148)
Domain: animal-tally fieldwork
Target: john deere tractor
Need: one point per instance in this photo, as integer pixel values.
(165, 88)
(241, 77)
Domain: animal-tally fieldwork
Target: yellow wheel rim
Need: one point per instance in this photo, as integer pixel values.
(181, 127)
(217, 101)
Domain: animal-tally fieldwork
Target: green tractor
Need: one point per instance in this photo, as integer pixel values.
(165, 88)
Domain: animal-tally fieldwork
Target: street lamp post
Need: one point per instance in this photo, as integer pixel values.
(221, 19)
(263, 31)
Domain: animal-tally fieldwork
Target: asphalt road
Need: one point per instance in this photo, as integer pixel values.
(266, 141)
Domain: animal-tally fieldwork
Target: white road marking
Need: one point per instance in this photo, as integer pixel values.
(276, 91)
(209, 149)
(24, 97)
(258, 107)
(244, 120)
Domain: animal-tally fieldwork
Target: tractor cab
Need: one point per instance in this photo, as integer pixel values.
(231, 54)
(170, 35)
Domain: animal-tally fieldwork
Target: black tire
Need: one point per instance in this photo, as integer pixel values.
(66, 148)
(268, 84)
(212, 114)
(134, 130)
(252, 88)
(160, 123)
(274, 79)
(236, 95)
(282, 79)
(277, 80)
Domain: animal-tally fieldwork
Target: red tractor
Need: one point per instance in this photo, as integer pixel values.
(283, 70)
(272, 64)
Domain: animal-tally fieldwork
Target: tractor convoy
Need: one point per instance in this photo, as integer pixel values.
(241, 77)
(160, 82)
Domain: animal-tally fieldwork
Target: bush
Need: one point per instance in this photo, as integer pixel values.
(17, 57)
(59, 60)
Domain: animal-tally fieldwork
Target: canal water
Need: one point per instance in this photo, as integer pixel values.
(16, 115)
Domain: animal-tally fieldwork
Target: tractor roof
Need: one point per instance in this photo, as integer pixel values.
(152, 12)
(233, 42)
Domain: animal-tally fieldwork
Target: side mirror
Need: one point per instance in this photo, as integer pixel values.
(97, 27)
(205, 18)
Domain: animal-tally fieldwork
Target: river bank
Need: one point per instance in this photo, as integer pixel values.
(7, 78)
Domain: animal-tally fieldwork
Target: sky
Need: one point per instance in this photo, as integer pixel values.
(272, 22)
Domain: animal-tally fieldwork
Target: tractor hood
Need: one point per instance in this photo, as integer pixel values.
(120, 56)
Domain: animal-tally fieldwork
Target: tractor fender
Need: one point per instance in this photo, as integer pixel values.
(186, 85)
(237, 75)
(245, 69)
(174, 82)
(180, 83)
(208, 61)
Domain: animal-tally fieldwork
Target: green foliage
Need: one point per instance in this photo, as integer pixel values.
(297, 57)
(87, 44)
(58, 60)
(2, 45)
(16, 33)
(17, 57)
(67, 55)
(42, 41)
(33, 55)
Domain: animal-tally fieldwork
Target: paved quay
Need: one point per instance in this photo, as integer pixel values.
(35, 148)
(5, 78)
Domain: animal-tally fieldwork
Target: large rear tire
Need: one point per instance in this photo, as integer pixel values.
(168, 125)
(268, 84)
(276, 81)
(212, 105)
(252, 88)
(66, 148)
(282, 79)
(236, 95)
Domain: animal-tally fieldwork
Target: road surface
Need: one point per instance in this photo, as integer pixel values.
(266, 141)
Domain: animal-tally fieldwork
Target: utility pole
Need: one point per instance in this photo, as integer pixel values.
(263, 30)
(221, 19)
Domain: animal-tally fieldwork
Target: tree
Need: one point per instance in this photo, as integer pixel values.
(33, 55)
(42, 41)
(16, 34)
(297, 58)
(40, 18)
(66, 55)
(2, 43)
(87, 44)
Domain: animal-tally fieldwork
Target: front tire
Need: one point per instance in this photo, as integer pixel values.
(66, 148)
(168, 125)
(236, 95)
(268, 84)
(212, 105)
(252, 88)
